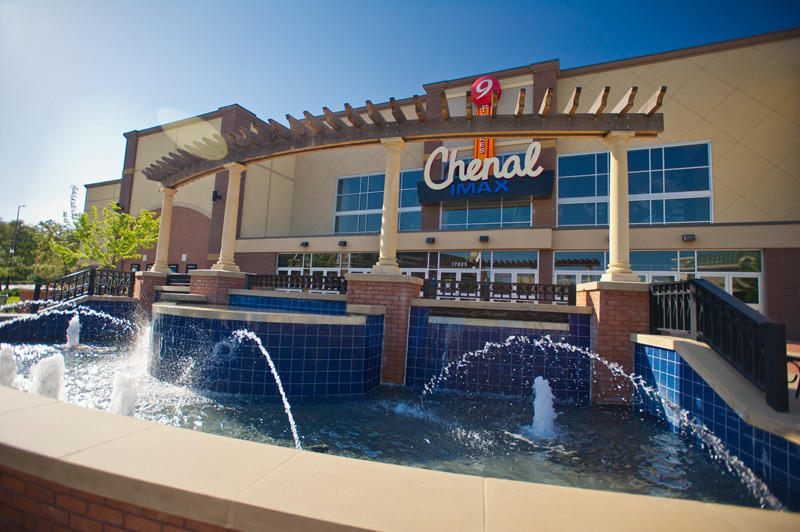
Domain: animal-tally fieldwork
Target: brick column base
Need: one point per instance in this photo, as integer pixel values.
(144, 289)
(215, 284)
(619, 310)
(395, 292)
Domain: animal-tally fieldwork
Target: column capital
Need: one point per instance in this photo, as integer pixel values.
(236, 168)
(618, 138)
(394, 143)
(168, 191)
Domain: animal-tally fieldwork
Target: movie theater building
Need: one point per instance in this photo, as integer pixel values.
(714, 194)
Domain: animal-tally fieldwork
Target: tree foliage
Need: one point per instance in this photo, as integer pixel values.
(107, 238)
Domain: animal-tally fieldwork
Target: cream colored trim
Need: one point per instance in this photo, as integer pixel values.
(515, 324)
(251, 486)
(288, 295)
(209, 313)
(497, 305)
(732, 386)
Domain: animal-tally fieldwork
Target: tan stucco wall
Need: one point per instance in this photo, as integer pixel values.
(746, 101)
(314, 195)
(268, 192)
(101, 196)
(151, 147)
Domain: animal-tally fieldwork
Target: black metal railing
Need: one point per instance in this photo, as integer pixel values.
(88, 282)
(498, 291)
(178, 279)
(305, 283)
(748, 340)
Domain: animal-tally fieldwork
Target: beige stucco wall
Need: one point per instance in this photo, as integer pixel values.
(151, 147)
(267, 204)
(746, 101)
(314, 195)
(101, 195)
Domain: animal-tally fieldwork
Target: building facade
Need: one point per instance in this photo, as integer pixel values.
(716, 195)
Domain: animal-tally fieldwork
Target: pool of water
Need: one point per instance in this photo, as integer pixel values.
(596, 448)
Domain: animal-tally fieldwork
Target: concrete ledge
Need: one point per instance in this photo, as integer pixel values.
(288, 295)
(250, 486)
(613, 285)
(211, 313)
(366, 309)
(732, 386)
(501, 305)
(217, 273)
(383, 278)
(516, 324)
(182, 297)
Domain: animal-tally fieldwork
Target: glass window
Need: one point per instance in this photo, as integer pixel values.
(511, 260)
(654, 261)
(359, 203)
(729, 261)
(486, 214)
(363, 260)
(580, 260)
(672, 184)
(410, 221)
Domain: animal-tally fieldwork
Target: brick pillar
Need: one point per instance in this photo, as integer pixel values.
(215, 284)
(144, 289)
(619, 310)
(395, 292)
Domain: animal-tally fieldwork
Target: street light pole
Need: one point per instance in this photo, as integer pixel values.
(13, 248)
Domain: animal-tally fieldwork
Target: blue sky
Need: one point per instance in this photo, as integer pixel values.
(77, 74)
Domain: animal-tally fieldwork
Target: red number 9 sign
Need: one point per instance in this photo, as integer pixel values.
(482, 90)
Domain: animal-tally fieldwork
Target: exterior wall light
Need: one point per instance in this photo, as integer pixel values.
(688, 237)
(304, 244)
(483, 238)
(215, 196)
(430, 240)
(342, 242)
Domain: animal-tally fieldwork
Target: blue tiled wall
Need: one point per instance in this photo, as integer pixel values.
(312, 360)
(508, 370)
(52, 327)
(771, 457)
(292, 305)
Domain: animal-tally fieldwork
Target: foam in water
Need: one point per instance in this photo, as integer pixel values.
(543, 426)
(48, 376)
(123, 398)
(8, 366)
(74, 332)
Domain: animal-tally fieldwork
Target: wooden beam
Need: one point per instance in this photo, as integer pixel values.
(374, 114)
(600, 103)
(334, 121)
(625, 103)
(353, 116)
(572, 105)
(397, 113)
(314, 123)
(654, 103)
(419, 109)
(235, 139)
(494, 104)
(296, 125)
(520, 108)
(547, 100)
(263, 129)
(444, 105)
(280, 130)
(469, 105)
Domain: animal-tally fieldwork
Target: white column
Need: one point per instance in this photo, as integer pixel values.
(161, 265)
(619, 261)
(226, 262)
(387, 259)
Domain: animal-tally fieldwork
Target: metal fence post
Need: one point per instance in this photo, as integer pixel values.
(775, 360)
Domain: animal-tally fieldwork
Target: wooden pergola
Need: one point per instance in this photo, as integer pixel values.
(369, 125)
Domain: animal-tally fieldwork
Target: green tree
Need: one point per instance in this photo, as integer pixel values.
(109, 238)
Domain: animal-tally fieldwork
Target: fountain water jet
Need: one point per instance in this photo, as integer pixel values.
(48, 376)
(543, 413)
(241, 335)
(123, 398)
(8, 366)
(74, 332)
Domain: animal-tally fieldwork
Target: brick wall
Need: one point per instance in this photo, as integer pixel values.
(782, 288)
(264, 263)
(32, 503)
(617, 314)
(215, 287)
(144, 289)
(396, 297)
